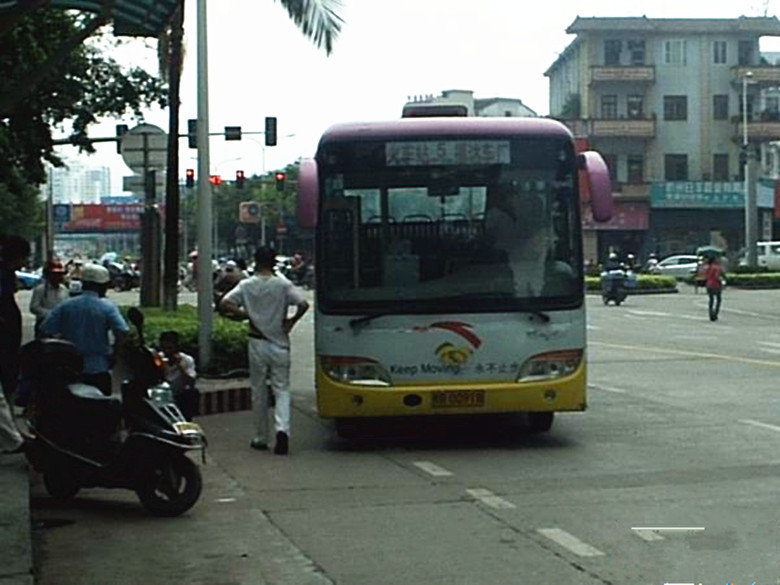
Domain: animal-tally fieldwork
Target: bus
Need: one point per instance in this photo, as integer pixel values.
(449, 267)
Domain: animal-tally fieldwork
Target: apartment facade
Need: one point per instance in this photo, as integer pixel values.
(661, 99)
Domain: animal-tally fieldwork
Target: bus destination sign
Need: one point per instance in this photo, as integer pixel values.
(446, 152)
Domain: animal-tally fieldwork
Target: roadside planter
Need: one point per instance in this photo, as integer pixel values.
(646, 284)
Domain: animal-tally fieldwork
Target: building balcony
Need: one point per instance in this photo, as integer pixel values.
(629, 73)
(764, 128)
(613, 128)
(762, 75)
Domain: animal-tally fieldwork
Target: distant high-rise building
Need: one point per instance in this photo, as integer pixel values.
(76, 183)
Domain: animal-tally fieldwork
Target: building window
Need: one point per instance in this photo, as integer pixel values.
(636, 50)
(676, 167)
(635, 107)
(720, 167)
(675, 52)
(636, 169)
(612, 52)
(612, 165)
(675, 107)
(745, 53)
(720, 107)
(719, 52)
(609, 107)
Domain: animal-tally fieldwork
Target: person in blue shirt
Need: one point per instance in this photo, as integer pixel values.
(85, 321)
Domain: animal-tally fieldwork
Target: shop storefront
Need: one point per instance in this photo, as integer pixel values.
(625, 233)
(688, 214)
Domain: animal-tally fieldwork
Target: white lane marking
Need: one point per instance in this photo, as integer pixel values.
(664, 314)
(667, 528)
(648, 535)
(698, 337)
(593, 328)
(432, 468)
(490, 499)
(769, 350)
(769, 343)
(570, 542)
(607, 388)
(756, 423)
(225, 500)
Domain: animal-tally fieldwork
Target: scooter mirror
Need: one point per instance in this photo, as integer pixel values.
(136, 317)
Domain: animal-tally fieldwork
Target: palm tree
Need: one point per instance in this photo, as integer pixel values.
(318, 21)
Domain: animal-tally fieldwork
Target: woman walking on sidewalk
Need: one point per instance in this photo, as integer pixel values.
(714, 283)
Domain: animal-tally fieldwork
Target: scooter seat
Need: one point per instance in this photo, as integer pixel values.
(93, 395)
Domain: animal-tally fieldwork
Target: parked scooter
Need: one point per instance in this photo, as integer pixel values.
(85, 439)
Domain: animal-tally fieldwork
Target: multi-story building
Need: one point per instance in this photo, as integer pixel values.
(661, 99)
(475, 107)
(76, 183)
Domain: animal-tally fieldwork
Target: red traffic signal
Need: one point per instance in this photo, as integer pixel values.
(280, 177)
(240, 179)
(190, 178)
(215, 179)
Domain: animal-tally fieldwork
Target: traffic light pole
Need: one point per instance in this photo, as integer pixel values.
(205, 282)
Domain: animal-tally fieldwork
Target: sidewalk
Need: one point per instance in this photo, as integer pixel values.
(15, 532)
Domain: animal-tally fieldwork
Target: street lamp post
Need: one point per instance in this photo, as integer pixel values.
(750, 184)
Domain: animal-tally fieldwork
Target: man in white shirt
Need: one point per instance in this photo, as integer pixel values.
(264, 300)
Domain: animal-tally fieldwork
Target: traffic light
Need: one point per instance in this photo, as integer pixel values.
(280, 177)
(215, 180)
(192, 133)
(270, 131)
(190, 178)
(240, 179)
(121, 130)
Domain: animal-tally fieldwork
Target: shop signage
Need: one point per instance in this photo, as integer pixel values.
(627, 215)
(709, 194)
(99, 218)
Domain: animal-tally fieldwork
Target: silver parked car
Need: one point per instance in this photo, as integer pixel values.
(680, 266)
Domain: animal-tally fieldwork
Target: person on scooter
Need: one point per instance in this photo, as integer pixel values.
(85, 321)
(180, 374)
(47, 294)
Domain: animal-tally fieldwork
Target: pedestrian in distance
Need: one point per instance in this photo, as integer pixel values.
(14, 252)
(264, 300)
(714, 284)
(85, 321)
(180, 374)
(47, 294)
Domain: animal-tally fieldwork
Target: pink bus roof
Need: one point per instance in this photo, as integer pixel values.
(445, 127)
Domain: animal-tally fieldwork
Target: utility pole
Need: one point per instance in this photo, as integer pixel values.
(751, 212)
(205, 283)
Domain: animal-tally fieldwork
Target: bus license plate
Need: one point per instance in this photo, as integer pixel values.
(458, 398)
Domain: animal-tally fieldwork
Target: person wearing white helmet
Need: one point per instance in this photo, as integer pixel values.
(85, 321)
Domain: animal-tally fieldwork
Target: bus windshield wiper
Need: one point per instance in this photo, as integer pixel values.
(358, 321)
(503, 295)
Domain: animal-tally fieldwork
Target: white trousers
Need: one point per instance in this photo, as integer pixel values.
(269, 361)
(10, 438)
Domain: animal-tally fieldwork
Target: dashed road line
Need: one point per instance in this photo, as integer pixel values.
(570, 542)
(490, 499)
(756, 423)
(607, 388)
(648, 535)
(432, 469)
(720, 356)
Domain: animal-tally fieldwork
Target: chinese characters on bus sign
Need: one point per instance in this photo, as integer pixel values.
(446, 152)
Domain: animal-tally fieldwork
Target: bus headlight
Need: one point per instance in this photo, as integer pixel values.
(355, 370)
(546, 366)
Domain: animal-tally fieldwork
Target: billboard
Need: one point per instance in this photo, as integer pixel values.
(99, 218)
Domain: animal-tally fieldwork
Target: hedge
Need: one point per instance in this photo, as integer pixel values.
(229, 338)
(645, 282)
(755, 280)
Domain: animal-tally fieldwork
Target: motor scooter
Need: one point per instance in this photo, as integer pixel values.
(613, 286)
(82, 438)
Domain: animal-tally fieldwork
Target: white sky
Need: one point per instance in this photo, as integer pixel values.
(261, 65)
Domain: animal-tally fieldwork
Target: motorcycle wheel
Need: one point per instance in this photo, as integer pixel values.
(171, 487)
(60, 485)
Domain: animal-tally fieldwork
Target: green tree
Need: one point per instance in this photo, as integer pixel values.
(83, 87)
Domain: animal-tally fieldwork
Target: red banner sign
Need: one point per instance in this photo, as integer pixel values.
(96, 217)
(627, 215)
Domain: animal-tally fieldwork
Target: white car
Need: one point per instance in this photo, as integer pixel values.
(680, 266)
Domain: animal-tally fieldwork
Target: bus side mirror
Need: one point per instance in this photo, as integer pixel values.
(598, 185)
(308, 193)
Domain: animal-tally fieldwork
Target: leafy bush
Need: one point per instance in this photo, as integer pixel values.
(754, 280)
(644, 282)
(749, 270)
(229, 338)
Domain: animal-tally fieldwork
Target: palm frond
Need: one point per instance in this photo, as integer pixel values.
(317, 19)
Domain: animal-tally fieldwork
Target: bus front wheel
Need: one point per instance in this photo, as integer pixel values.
(540, 422)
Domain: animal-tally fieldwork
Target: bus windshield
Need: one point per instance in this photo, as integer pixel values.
(449, 226)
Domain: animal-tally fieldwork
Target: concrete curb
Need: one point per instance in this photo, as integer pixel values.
(219, 395)
(654, 291)
(15, 529)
